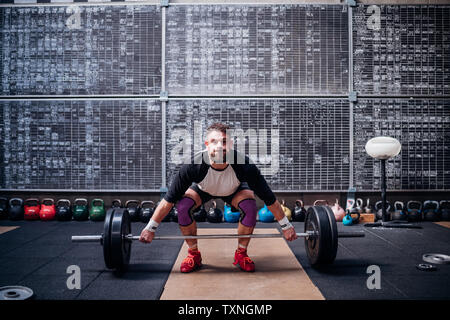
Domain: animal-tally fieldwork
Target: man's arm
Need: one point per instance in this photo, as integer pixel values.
(259, 185)
(180, 183)
(178, 187)
(161, 211)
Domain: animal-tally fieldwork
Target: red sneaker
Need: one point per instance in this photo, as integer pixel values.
(192, 262)
(243, 261)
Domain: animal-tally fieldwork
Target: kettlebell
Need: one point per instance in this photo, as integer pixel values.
(48, 209)
(3, 208)
(80, 211)
(359, 205)
(265, 215)
(63, 210)
(355, 209)
(286, 210)
(339, 212)
(299, 212)
(230, 216)
(320, 203)
(32, 208)
(399, 212)
(147, 210)
(414, 210)
(214, 214)
(368, 207)
(350, 204)
(430, 210)
(200, 214)
(16, 209)
(445, 210)
(97, 210)
(379, 210)
(116, 203)
(347, 220)
(133, 209)
(350, 218)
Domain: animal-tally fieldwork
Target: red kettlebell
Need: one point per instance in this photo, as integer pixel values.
(31, 209)
(48, 209)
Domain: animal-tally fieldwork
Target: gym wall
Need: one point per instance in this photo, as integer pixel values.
(105, 97)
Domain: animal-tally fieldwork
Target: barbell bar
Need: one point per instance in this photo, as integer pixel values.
(320, 236)
(130, 237)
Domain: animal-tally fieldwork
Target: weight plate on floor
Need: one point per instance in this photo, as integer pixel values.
(15, 293)
(437, 258)
(321, 248)
(106, 240)
(120, 247)
(426, 267)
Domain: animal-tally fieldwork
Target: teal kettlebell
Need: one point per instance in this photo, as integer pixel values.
(347, 220)
(230, 216)
(265, 215)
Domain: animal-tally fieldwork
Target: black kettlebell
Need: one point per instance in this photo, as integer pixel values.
(355, 214)
(430, 211)
(133, 209)
(200, 214)
(3, 208)
(399, 211)
(15, 211)
(299, 211)
(63, 210)
(147, 210)
(445, 210)
(116, 203)
(214, 214)
(379, 210)
(414, 210)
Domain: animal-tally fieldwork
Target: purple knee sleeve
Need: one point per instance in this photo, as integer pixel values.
(248, 207)
(184, 207)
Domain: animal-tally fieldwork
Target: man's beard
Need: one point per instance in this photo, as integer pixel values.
(217, 158)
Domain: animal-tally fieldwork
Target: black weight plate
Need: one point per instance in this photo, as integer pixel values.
(322, 248)
(333, 243)
(106, 241)
(120, 248)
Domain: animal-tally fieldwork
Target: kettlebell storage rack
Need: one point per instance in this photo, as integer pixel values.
(352, 82)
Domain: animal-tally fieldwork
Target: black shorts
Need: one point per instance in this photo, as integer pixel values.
(205, 197)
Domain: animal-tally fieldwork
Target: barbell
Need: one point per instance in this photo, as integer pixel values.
(320, 234)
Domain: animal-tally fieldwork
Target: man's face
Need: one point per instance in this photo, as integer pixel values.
(218, 144)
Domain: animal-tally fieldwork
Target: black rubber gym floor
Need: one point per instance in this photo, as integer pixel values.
(37, 255)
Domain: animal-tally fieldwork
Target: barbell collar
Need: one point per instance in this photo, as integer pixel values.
(96, 238)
